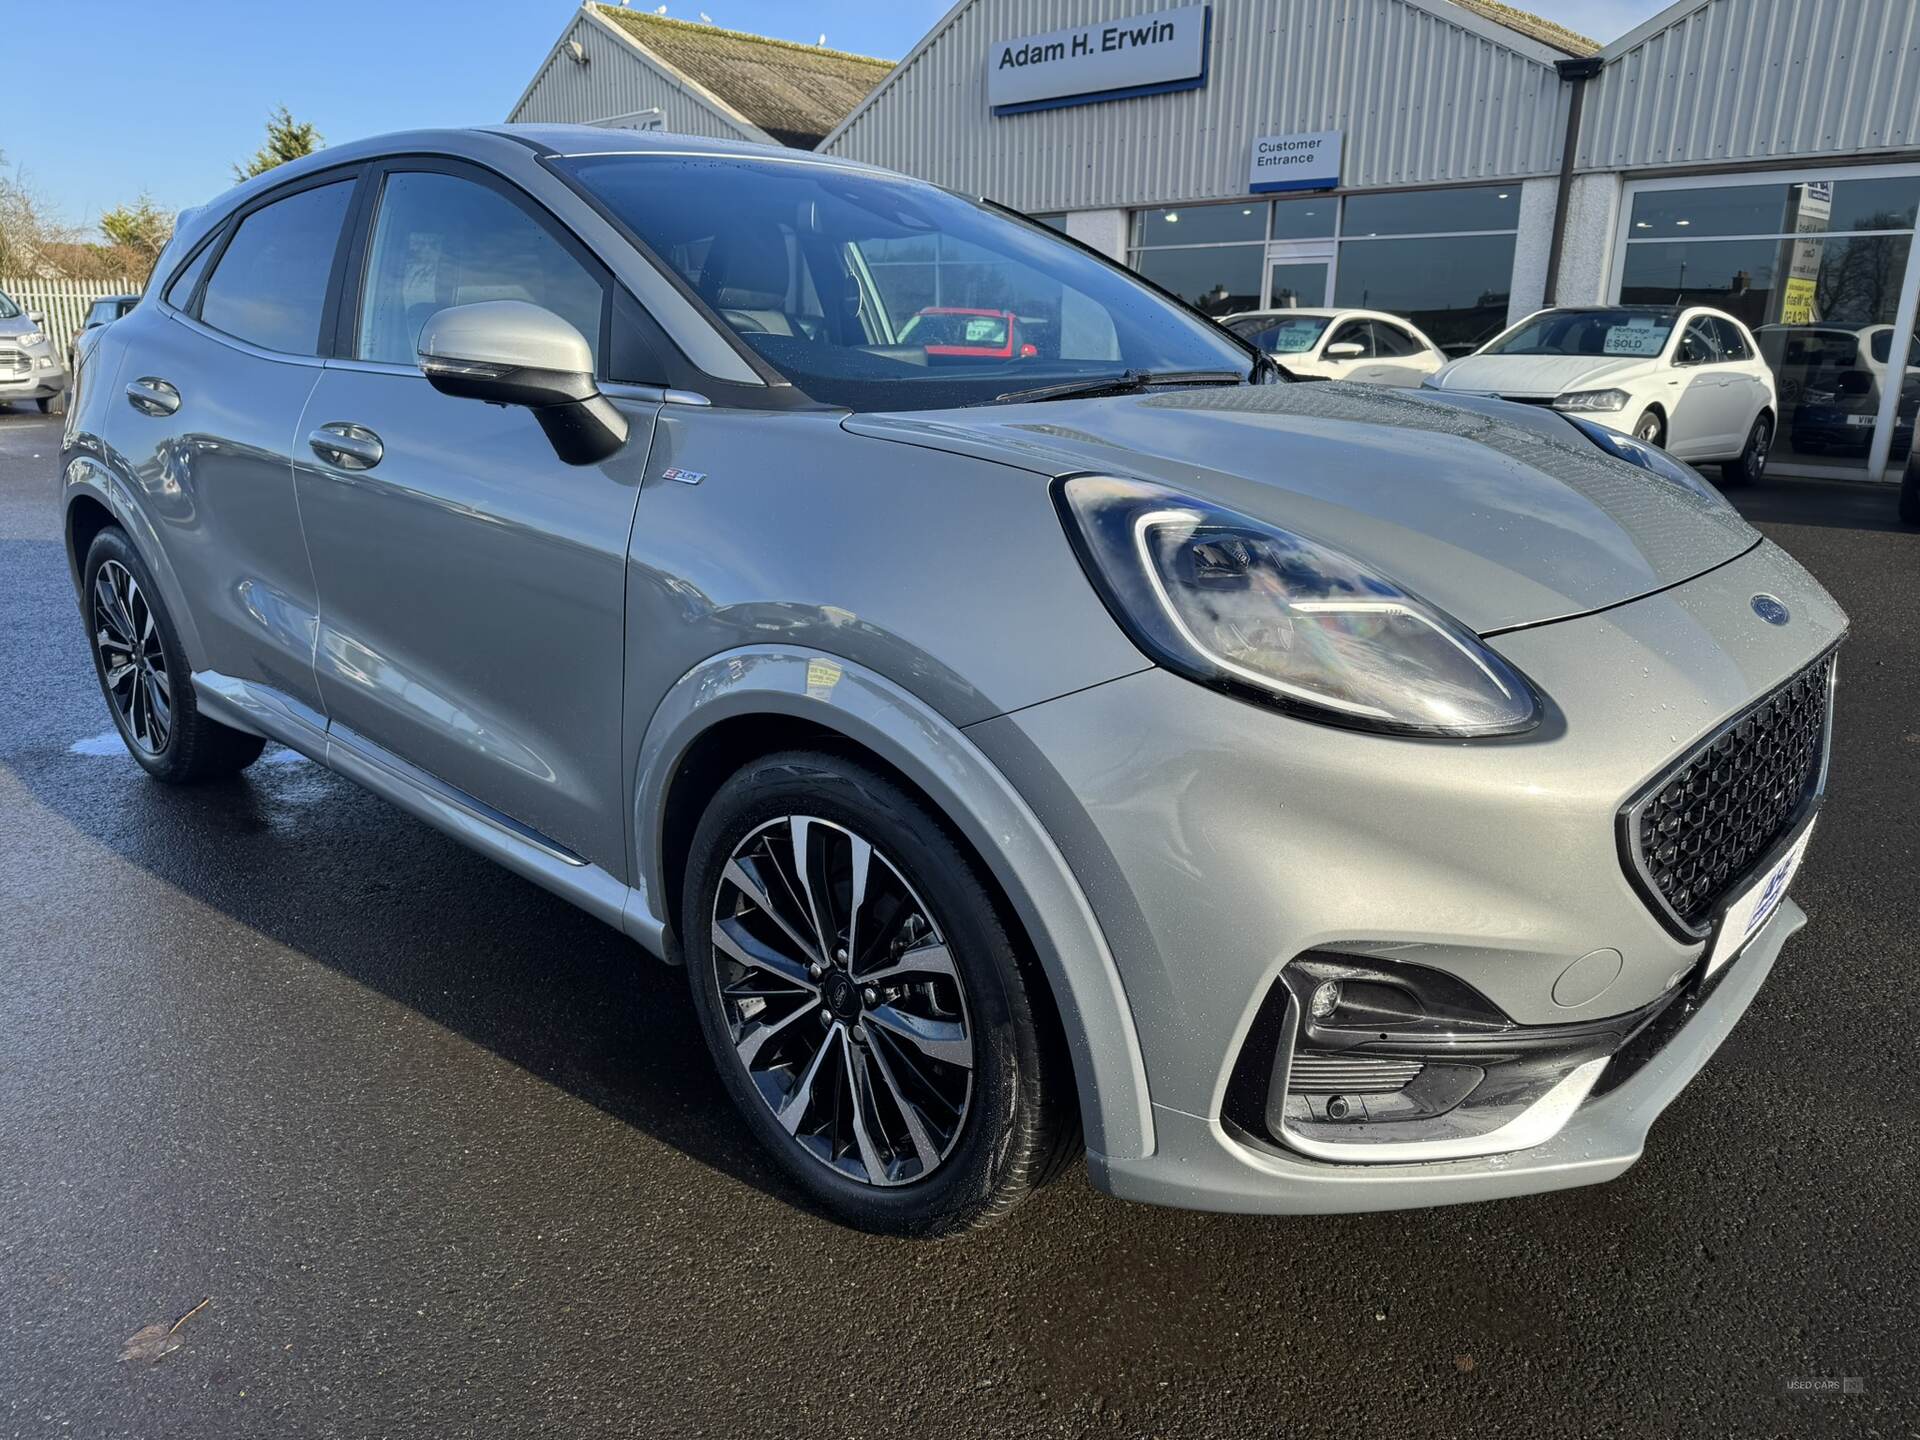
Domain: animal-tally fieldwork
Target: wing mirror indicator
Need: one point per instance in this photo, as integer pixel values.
(508, 352)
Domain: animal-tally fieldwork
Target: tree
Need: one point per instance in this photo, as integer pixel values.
(287, 139)
(141, 229)
(27, 227)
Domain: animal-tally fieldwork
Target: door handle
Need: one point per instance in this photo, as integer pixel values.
(349, 447)
(151, 395)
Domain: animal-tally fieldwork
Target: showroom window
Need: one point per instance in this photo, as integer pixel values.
(1816, 267)
(1441, 258)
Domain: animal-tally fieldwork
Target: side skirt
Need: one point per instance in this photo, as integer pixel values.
(261, 710)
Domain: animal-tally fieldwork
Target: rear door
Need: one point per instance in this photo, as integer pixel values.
(472, 585)
(1398, 358)
(213, 385)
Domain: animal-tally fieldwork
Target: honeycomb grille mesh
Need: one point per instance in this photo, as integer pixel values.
(1714, 817)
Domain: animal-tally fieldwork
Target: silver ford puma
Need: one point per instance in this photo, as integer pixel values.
(1023, 713)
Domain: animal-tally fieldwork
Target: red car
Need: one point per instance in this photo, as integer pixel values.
(950, 330)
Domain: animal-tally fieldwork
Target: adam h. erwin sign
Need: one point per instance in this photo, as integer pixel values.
(1113, 60)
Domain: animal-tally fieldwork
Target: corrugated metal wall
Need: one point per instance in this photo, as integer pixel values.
(1740, 80)
(1421, 101)
(616, 81)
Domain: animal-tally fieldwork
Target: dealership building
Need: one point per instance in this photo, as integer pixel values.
(1459, 162)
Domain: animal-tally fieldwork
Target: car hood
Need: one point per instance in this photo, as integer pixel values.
(1536, 374)
(13, 329)
(1500, 515)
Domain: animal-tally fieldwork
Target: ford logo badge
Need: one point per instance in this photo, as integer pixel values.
(1770, 610)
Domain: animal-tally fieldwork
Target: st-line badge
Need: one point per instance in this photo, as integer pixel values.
(685, 477)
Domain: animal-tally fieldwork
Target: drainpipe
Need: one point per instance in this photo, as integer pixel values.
(1575, 72)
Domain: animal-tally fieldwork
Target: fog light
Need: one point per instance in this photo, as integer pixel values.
(1326, 999)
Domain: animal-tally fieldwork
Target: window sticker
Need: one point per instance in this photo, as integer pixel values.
(1639, 336)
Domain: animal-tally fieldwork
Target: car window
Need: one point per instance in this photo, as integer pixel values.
(1733, 341)
(1391, 340)
(180, 293)
(1280, 335)
(1612, 332)
(442, 240)
(1354, 332)
(270, 285)
(819, 270)
(1699, 343)
(8, 310)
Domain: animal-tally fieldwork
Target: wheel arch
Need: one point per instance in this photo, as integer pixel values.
(752, 701)
(95, 497)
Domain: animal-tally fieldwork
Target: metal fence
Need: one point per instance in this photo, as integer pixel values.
(62, 304)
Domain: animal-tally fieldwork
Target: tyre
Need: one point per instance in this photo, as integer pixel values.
(45, 402)
(870, 1015)
(1650, 428)
(143, 672)
(1910, 495)
(1751, 463)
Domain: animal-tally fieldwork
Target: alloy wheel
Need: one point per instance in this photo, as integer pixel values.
(133, 662)
(1757, 445)
(842, 1001)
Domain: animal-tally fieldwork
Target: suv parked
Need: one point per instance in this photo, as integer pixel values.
(28, 368)
(104, 311)
(1109, 740)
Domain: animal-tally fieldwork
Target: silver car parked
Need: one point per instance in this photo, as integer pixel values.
(1320, 799)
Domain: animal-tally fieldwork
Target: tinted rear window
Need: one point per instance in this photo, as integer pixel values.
(270, 286)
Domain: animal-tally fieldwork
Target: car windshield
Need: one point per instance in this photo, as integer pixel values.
(882, 293)
(1589, 332)
(8, 310)
(1280, 335)
(955, 327)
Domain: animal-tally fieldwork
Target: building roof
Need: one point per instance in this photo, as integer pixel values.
(795, 93)
(1547, 32)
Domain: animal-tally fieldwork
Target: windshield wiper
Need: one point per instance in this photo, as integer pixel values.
(1125, 383)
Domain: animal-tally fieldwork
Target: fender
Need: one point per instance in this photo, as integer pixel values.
(874, 712)
(87, 473)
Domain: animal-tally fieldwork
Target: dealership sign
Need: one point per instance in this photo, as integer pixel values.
(1296, 162)
(1114, 60)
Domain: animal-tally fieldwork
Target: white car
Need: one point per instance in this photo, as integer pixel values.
(1361, 345)
(1691, 380)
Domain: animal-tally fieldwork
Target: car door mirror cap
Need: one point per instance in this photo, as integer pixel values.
(510, 352)
(1345, 350)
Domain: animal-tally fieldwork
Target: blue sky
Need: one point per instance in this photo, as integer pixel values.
(167, 97)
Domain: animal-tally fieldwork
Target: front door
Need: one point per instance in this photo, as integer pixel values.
(1299, 275)
(472, 585)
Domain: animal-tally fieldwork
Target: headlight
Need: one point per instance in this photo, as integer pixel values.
(1649, 458)
(1592, 400)
(30, 338)
(1249, 608)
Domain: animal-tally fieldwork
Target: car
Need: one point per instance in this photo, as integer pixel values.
(103, 311)
(1290, 798)
(1368, 347)
(1831, 378)
(956, 330)
(29, 370)
(1690, 380)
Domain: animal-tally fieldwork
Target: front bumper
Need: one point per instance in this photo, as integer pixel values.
(34, 383)
(1219, 841)
(1199, 1163)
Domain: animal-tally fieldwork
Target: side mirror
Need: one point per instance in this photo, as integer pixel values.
(507, 352)
(34, 317)
(1344, 350)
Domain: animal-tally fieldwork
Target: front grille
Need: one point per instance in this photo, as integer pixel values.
(1350, 1074)
(1529, 399)
(14, 364)
(1697, 832)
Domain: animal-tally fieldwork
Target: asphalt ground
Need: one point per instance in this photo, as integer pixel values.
(446, 1157)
